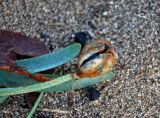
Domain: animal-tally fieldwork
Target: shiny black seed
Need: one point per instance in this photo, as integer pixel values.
(82, 38)
(93, 94)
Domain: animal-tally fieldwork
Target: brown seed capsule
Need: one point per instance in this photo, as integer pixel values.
(96, 58)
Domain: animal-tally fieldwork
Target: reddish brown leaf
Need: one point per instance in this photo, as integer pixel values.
(13, 44)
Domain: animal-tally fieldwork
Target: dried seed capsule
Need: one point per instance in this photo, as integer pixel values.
(96, 58)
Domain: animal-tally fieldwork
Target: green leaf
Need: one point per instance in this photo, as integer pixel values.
(23, 84)
(64, 83)
(50, 60)
(80, 83)
(11, 79)
(34, 87)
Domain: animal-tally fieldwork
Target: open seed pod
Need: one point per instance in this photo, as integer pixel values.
(96, 58)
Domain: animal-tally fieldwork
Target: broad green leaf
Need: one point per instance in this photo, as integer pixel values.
(63, 83)
(50, 60)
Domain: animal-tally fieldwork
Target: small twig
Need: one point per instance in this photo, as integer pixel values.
(53, 110)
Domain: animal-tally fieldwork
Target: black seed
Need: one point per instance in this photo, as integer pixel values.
(82, 38)
(93, 94)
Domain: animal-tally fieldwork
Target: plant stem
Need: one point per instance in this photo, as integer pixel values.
(35, 105)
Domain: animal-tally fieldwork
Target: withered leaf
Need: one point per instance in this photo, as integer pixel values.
(14, 44)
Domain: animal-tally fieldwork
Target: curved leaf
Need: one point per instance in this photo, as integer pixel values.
(50, 60)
